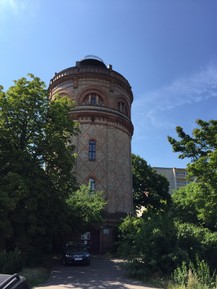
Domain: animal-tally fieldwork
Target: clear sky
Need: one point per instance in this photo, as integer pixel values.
(166, 49)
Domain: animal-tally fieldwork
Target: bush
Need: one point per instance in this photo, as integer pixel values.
(155, 244)
(11, 262)
(32, 259)
(149, 241)
(190, 276)
(197, 241)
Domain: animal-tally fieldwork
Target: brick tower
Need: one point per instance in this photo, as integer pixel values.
(103, 99)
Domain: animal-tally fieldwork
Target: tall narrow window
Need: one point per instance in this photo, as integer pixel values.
(122, 107)
(92, 184)
(92, 150)
(93, 98)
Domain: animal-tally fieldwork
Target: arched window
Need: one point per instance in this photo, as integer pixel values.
(92, 184)
(92, 150)
(122, 107)
(93, 99)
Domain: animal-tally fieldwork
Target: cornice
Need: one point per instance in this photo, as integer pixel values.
(109, 115)
(76, 74)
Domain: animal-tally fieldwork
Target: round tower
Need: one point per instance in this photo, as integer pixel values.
(103, 99)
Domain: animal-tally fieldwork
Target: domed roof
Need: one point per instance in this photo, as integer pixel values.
(92, 60)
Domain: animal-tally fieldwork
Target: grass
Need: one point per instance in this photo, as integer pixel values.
(36, 276)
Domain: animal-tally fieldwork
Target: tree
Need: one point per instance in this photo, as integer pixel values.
(184, 203)
(150, 190)
(200, 198)
(195, 203)
(36, 158)
(85, 208)
(201, 149)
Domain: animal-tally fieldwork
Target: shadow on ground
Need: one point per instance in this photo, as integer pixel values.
(102, 273)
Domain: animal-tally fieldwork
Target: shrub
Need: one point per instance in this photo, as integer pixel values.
(190, 276)
(197, 241)
(149, 242)
(11, 262)
(155, 244)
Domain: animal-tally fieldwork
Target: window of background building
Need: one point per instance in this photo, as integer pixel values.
(183, 173)
(92, 150)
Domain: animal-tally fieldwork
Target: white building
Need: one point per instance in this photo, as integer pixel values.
(175, 176)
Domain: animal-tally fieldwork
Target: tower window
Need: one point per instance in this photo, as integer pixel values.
(92, 184)
(93, 99)
(122, 107)
(92, 150)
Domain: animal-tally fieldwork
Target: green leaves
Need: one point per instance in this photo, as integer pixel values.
(36, 158)
(202, 142)
(150, 190)
(198, 200)
(159, 241)
(85, 207)
(196, 204)
(149, 241)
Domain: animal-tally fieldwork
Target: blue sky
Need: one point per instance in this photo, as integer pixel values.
(166, 49)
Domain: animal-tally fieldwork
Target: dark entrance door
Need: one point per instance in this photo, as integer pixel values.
(94, 241)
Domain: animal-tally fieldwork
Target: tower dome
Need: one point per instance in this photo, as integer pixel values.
(92, 60)
(103, 99)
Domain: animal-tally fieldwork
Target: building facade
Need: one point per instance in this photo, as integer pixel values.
(103, 99)
(175, 176)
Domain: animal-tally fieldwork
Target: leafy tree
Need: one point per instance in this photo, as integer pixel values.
(85, 207)
(36, 158)
(200, 198)
(150, 190)
(184, 203)
(201, 149)
(195, 203)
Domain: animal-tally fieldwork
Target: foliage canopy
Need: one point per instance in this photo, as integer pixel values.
(198, 200)
(85, 207)
(201, 149)
(36, 158)
(150, 190)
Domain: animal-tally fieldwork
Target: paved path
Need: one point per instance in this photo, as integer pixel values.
(101, 274)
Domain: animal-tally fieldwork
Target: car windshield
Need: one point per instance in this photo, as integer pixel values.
(75, 248)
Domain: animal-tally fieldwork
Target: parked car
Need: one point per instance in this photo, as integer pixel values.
(75, 253)
(14, 281)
